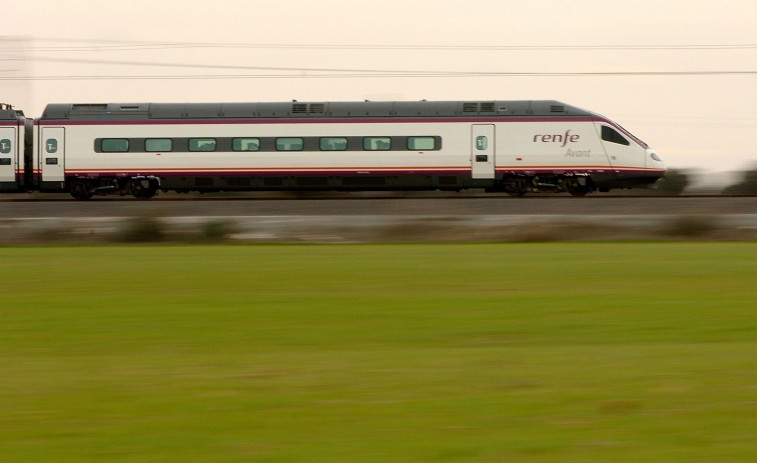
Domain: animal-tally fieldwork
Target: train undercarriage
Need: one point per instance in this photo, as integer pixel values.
(145, 187)
(142, 187)
(519, 185)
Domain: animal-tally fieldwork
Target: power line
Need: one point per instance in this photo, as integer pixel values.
(279, 72)
(101, 46)
(203, 65)
(313, 72)
(388, 74)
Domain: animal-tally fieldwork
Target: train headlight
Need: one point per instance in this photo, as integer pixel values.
(655, 156)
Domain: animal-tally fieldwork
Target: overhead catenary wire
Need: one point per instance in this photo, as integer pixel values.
(302, 72)
(356, 76)
(101, 45)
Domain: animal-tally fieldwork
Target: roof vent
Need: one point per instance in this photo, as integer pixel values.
(470, 107)
(89, 107)
(555, 108)
(487, 107)
(304, 108)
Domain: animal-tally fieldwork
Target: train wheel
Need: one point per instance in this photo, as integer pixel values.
(143, 188)
(80, 190)
(517, 187)
(577, 186)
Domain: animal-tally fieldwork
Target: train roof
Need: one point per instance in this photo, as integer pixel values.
(11, 114)
(296, 109)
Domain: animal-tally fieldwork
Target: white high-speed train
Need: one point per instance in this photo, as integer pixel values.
(139, 149)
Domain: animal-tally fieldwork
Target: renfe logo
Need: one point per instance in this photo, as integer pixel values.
(564, 139)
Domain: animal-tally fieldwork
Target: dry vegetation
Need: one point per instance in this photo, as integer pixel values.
(424, 229)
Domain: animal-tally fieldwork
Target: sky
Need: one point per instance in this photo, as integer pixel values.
(681, 76)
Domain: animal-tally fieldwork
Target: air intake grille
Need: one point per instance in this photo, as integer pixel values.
(478, 107)
(470, 107)
(89, 107)
(557, 109)
(304, 108)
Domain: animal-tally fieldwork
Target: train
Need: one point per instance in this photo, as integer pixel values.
(140, 149)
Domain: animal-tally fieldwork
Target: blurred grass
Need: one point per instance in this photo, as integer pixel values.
(545, 352)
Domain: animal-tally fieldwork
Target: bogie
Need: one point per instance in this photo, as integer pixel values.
(576, 185)
(140, 187)
(144, 187)
(81, 189)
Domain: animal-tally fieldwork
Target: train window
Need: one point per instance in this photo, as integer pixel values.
(289, 144)
(611, 135)
(333, 144)
(202, 144)
(482, 142)
(377, 143)
(421, 143)
(158, 144)
(114, 145)
(245, 144)
(5, 146)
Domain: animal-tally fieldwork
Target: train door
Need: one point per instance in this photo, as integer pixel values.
(8, 155)
(482, 151)
(52, 154)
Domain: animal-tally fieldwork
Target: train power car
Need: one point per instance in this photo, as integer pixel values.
(15, 150)
(502, 146)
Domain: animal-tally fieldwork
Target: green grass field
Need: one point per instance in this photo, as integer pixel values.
(557, 352)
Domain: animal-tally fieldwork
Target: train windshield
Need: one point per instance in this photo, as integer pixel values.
(634, 137)
(624, 130)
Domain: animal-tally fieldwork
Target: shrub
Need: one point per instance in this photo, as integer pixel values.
(690, 226)
(143, 230)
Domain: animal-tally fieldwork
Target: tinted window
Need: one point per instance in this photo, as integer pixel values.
(611, 135)
(245, 144)
(289, 144)
(158, 144)
(333, 144)
(377, 143)
(421, 143)
(202, 144)
(114, 145)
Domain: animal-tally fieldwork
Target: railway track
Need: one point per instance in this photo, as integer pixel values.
(21, 198)
(438, 206)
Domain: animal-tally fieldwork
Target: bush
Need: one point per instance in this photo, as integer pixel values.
(748, 186)
(690, 226)
(143, 230)
(216, 230)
